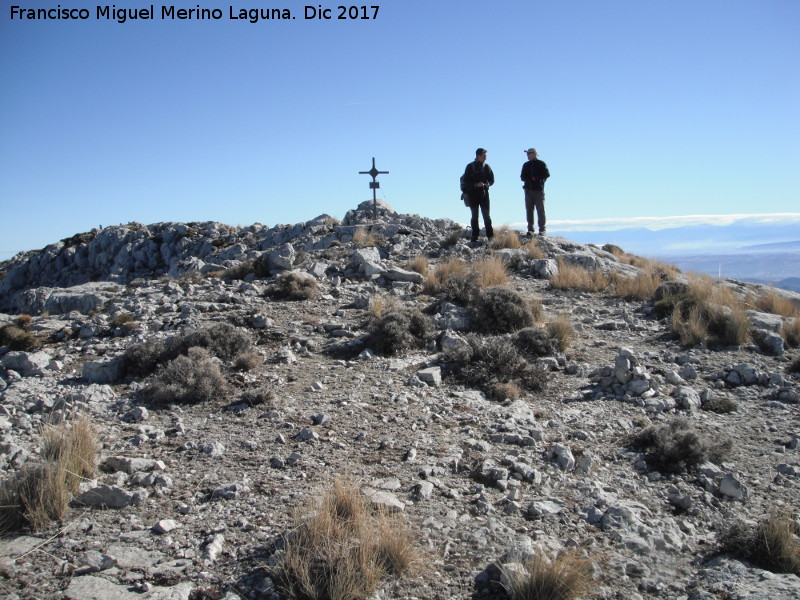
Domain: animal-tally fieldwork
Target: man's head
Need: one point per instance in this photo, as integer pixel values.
(480, 155)
(532, 153)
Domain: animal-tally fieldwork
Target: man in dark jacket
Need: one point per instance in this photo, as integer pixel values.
(478, 177)
(534, 174)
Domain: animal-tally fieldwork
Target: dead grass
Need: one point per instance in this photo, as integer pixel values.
(561, 332)
(771, 302)
(772, 544)
(566, 577)
(461, 282)
(507, 238)
(364, 238)
(341, 549)
(575, 277)
(379, 304)
(791, 332)
(535, 251)
(74, 445)
(40, 492)
(643, 286)
(491, 271)
(419, 264)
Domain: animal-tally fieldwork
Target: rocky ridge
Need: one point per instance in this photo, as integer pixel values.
(192, 501)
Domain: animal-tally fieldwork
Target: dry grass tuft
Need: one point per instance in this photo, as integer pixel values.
(771, 302)
(363, 238)
(505, 237)
(791, 332)
(535, 251)
(419, 264)
(380, 304)
(341, 549)
(772, 544)
(461, 282)
(566, 577)
(491, 271)
(74, 445)
(561, 332)
(40, 492)
(575, 277)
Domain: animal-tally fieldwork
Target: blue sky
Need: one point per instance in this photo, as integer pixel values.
(640, 109)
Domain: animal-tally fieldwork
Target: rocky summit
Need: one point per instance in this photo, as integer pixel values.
(231, 375)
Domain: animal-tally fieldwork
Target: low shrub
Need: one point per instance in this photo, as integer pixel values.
(771, 544)
(193, 378)
(484, 363)
(678, 445)
(500, 309)
(535, 342)
(720, 405)
(222, 340)
(399, 330)
(294, 286)
(341, 549)
(566, 577)
(794, 366)
(18, 338)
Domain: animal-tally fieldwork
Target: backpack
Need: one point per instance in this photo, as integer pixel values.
(464, 194)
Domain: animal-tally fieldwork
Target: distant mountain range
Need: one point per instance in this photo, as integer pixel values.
(766, 253)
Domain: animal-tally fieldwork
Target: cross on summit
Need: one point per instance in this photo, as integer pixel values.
(374, 185)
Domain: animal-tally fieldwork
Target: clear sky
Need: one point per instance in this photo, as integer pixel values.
(641, 108)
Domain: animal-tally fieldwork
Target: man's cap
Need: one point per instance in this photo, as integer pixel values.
(480, 151)
(529, 150)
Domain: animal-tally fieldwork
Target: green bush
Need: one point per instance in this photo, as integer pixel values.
(678, 445)
(501, 310)
(400, 330)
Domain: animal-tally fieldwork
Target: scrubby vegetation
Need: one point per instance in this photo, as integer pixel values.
(294, 286)
(342, 549)
(18, 336)
(501, 310)
(488, 362)
(771, 544)
(193, 378)
(399, 330)
(678, 445)
(221, 340)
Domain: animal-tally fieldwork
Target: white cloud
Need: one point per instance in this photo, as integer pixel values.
(657, 223)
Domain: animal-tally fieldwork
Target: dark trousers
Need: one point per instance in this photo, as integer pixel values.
(483, 204)
(535, 199)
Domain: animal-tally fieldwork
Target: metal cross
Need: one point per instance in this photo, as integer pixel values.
(374, 185)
